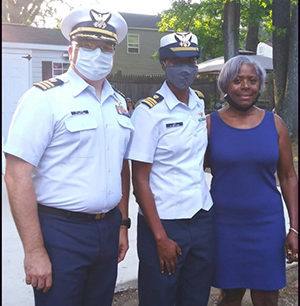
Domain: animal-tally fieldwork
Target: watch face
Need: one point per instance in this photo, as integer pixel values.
(126, 222)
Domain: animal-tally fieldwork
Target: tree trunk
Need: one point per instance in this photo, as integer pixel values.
(253, 22)
(281, 21)
(289, 110)
(231, 23)
(252, 37)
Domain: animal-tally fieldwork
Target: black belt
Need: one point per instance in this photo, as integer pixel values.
(71, 214)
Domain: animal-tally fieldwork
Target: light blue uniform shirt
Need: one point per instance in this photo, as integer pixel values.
(76, 143)
(173, 138)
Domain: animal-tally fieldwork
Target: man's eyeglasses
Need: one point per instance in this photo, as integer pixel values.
(106, 48)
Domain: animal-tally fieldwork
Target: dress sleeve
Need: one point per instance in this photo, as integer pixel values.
(143, 144)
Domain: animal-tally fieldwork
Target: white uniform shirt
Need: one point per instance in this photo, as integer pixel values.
(173, 137)
(76, 143)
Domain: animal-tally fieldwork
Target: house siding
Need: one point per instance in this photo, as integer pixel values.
(39, 56)
(142, 63)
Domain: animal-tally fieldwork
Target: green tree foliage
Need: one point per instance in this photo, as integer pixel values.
(28, 11)
(205, 20)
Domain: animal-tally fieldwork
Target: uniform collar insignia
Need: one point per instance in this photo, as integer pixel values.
(184, 39)
(121, 110)
(202, 116)
(99, 19)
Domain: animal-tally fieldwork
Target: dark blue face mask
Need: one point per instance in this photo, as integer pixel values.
(181, 76)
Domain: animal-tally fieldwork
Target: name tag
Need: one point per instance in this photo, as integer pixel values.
(175, 124)
(79, 112)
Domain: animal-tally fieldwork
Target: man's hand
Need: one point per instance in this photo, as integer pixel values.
(38, 270)
(123, 243)
(168, 250)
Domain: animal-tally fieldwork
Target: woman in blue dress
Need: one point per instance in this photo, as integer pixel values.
(247, 145)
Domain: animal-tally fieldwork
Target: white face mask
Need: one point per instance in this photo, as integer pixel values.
(94, 64)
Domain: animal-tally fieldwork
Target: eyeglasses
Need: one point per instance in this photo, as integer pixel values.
(106, 48)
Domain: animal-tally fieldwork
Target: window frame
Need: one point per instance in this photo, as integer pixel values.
(62, 69)
(136, 46)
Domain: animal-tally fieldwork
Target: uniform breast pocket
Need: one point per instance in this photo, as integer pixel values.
(121, 133)
(82, 129)
(173, 135)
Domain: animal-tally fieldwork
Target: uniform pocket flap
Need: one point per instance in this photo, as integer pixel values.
(125, 122)
(80, 123)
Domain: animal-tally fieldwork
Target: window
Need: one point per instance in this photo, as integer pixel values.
(52, 69)
(133, 44)
(59, 68)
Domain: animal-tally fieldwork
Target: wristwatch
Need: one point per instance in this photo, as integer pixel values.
(126, 222)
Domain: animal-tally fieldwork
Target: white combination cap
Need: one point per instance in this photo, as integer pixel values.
(87, 23)
(184, 44)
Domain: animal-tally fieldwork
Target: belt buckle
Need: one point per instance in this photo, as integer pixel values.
(99, 216)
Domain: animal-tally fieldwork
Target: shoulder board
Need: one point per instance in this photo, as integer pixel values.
(119, 92)
(151, 101)
(45, 85)
(199, 93)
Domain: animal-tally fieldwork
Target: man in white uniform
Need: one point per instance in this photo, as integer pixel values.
(67, 182)
(175, 234)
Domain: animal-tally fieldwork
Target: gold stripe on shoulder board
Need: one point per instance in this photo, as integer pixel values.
(148, 103)
(40, 84)
(199, 94)
(47, 84)
(152, 101)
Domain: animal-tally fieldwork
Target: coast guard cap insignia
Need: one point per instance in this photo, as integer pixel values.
(100, 19)
(184, 39)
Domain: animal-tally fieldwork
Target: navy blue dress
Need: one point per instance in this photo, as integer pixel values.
(249, 219)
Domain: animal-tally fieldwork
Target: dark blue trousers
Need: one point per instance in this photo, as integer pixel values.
(191, 282)
(84, 256)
